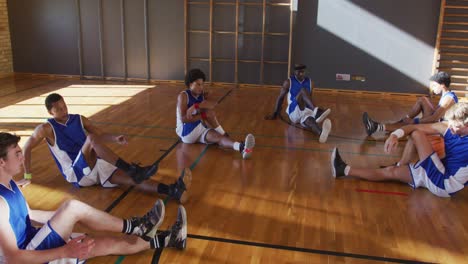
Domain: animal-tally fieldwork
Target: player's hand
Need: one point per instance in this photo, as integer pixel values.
(121, 139)
(390, 144)
(79, 247)
(207, 105)
(23, 183)
(271, 116)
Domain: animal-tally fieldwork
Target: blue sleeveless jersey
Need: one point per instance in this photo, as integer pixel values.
(455, 173)
(19, 215)
(456, 155)
(191, 100)
(448, 94)
(69, 139)
(294, 87)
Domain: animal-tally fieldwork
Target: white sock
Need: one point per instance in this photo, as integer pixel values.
(381, 127)
(346, 170)
(236, 146)
(220, 130)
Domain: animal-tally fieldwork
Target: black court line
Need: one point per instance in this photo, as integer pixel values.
(124, 194)
(304, 250)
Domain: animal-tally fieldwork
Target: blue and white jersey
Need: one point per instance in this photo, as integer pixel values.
(455, 162)
(182, 128)
(447, 95)
(294, 87)
(69, 139)
(19, 215)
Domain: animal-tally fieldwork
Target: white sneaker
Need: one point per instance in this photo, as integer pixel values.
(326, 128)
(249, 144)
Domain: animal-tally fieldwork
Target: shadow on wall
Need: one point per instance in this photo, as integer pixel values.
(339, 36)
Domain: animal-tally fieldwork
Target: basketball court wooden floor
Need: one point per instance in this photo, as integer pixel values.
(282, 206)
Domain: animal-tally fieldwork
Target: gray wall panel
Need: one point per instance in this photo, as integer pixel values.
(44, 36)
(277, 19)
(135, 38)
(250, 18)
(166, 30)
(249, 72)
(276, 48)
(250, 47)
(199, 17)
(224, 18)
(112, 39)
(223, 72)
(90, 37)
(199, 45)
(224, 46)
(275, 74)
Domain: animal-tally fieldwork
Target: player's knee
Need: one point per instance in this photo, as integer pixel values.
(91, 138)
(70, 205)
(417, 135)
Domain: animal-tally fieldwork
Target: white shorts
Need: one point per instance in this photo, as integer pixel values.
(198, 134)
(99, 175)
(299, 116)
(429, 174)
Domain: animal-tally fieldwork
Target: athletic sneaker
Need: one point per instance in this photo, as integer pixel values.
(326, 128)
(370, 125)
(140, 174)
(179, 189)
(247, 146)
(176, 237)
(321, 114)
(337, 164)
(146, 226)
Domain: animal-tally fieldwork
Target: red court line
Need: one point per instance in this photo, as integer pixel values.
(382, 192)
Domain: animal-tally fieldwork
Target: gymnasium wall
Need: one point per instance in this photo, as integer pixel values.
(46, 35)
(6, 61)
(388, 42)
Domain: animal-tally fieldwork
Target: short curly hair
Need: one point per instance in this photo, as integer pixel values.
(52, 98)
(193, 75)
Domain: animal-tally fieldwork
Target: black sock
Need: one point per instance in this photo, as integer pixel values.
(159, 241)
(241, 147)
(163, 189)
(127, 226)
(123, 165)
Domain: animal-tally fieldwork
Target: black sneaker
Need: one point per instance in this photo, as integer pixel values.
(146, 226)
(337, 164)
(321, 114)
(140, 174)
(177, 235)
(179, 189)
(370, 125)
